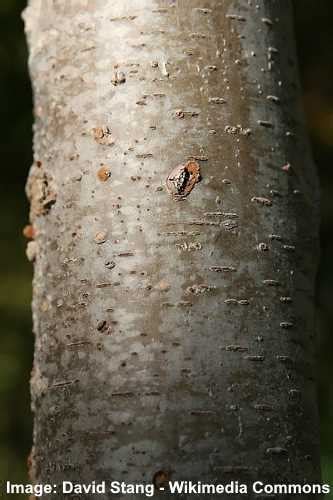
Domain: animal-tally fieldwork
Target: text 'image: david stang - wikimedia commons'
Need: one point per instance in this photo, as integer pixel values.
(172, 487)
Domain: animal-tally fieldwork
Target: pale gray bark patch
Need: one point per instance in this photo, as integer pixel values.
(171, 335)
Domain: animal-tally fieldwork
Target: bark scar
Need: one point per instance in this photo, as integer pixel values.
(182, 179)
(41, 191)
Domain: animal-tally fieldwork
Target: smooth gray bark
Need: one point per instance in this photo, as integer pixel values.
(172, 335)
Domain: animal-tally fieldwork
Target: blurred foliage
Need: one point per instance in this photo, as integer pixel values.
(314, 36)
(15, 271)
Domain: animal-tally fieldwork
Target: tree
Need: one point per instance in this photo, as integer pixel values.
(174, 209)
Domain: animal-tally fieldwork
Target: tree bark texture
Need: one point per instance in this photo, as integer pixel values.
(174, 319)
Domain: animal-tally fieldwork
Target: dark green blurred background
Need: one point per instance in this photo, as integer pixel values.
(314, 33)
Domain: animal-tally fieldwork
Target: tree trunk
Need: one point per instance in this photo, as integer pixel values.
(174, 207)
